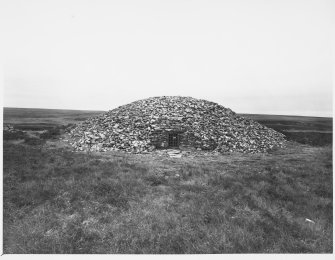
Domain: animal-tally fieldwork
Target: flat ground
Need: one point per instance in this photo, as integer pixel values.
(58, 201)
(41, 119)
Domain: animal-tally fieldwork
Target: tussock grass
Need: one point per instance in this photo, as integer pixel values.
(7, 135)
(56, 201)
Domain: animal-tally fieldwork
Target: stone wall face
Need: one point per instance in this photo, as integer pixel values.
(160, 138)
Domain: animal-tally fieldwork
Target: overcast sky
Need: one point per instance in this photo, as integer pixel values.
(252, 56)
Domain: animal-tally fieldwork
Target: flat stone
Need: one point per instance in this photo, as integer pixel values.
(175, 155)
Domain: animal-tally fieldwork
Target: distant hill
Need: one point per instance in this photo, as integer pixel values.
(52, 117)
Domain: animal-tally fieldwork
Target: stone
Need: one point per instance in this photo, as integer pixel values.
(147, 124)
(175, 155)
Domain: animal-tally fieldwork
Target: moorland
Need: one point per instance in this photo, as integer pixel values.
(59, 201)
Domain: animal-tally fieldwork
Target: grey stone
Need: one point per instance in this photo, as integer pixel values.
(146, 124)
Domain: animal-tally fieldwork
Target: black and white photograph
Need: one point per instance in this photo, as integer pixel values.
(167, 127)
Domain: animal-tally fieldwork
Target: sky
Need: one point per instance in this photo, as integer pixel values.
(253, 56)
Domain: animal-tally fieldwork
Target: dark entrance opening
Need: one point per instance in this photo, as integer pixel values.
(174, 140)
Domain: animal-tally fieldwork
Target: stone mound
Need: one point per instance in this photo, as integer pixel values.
(173, 122)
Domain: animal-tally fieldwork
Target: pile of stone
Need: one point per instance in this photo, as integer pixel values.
(138, 126)
(9, 128)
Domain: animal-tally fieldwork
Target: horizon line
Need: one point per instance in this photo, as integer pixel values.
(240, 113)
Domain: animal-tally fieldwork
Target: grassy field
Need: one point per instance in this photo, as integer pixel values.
(316, 131)
(58, 201)
(41, 119)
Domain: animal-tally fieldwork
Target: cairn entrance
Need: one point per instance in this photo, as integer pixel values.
(174, 140)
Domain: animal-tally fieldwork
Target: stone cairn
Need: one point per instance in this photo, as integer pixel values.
(207, 126)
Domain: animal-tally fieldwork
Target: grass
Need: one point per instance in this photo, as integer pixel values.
(57, 201)
(42, 119)
(7, 135)
(315, 131)
(315, 139)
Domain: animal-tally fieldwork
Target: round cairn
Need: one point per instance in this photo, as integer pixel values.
(182, 122)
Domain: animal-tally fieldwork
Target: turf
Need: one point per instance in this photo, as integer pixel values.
(41, 119)
(57, 201)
